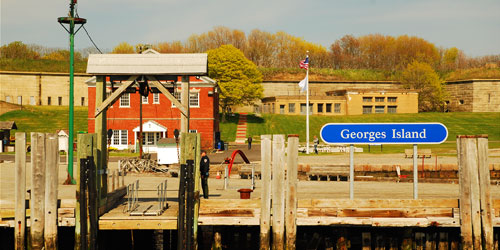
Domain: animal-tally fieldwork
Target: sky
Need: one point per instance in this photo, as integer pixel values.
(470, 25)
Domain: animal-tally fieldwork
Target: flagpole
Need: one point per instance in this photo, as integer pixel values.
(307, 106)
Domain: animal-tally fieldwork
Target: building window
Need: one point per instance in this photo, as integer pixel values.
(320, 107)
(7, 99)
(392, 99)
(302, 108)
(194, 131)
(20, 100)
(310, 108)
(379, 99)
(83, 101)
(151, 138)
(272, 108)
(282, 109)
(337, 107)
(379, 109)
(156, 98)
(59, 100)
(144, 99)
(367, 109)
(32, 100)
(391, 109)
(328, 108)
(125, 100)
(119, 137)
(193, 99)
(291, 108)
(49, 100)
(461, 101)
(367, 99)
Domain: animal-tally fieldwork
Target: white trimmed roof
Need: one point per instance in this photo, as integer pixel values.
(147, 64)
(151, 126)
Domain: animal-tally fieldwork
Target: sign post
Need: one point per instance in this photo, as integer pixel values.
(383, 133)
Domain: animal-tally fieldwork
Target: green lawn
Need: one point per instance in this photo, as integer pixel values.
(457, 124)
(46, 119)
(50, 118)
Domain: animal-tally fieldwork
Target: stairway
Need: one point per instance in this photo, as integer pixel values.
(241, 129)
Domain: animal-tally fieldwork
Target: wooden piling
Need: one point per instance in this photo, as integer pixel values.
(419, 241)
(278, 190)
(265, 211)
(465, 193)
(472, 163)
(443, 241)
(20, 192)
(291, 191)
(485, 184)
(51, 183)
(37, 201)
(366, 241)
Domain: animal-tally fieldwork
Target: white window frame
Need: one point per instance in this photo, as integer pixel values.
(193, 131)
(145, 99)
(177, 96)
(156, 98)
(119, 137)
(32, 100)
(122, 100)
(8, 99)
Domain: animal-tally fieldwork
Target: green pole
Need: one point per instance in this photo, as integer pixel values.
(70, 179)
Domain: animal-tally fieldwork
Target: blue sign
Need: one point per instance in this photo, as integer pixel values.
(384, 133)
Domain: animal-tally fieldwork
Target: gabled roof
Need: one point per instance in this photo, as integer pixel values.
(8, 125)
(151, 126)
(147, 64)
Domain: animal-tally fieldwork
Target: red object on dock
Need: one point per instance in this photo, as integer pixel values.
(245, 193)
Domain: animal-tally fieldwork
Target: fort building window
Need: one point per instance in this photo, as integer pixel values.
(125, 100)
(20, 100)
(367, 109)
(367, 99)
(32, 100)
(49, 100)
(461, 101)
(379, 109)
(291, 108)
(392, 109)
(328, 108)
(83, 101)
(8, 99)
(337, 107)
(320, 107)
(282, 109)
(379, 99)
(392, 99)
(59, 100)
(302, 108)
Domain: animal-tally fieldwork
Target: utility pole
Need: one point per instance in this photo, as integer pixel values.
(71, 20)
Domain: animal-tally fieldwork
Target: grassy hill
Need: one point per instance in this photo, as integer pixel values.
(51, 118)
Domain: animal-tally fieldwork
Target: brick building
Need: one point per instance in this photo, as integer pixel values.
(160, 117)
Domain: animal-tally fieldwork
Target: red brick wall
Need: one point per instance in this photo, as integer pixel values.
(204, 119)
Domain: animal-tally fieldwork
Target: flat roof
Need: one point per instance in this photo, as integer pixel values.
(148, 64)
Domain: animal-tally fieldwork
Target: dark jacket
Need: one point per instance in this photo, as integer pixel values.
(204, 165)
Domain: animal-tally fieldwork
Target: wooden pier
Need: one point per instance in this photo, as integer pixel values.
(474, 210)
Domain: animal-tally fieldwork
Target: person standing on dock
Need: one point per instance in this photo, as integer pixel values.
(316, 142)
(204, 169)
(249, 142)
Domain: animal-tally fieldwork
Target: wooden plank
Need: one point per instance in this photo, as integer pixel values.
(51, 183)
(396, 213)
(312, 212)
(137, 224)
(472, 162)
(291, 191)
(265, 201)
(66, 222)
(185, 102)
(496, 204)
(197, 186)
(229, 221)
(465, 194)
(229, 212)
(37, 201)
(278, 191)
(379, 203)
(485, 193)
(20, 192)
(66, 213)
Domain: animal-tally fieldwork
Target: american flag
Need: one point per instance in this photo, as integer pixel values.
(304, 64)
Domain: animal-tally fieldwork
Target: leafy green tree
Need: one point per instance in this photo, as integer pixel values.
(420, 76)
(62, 55)
(123, 48)
(18, 50)
(238, 77)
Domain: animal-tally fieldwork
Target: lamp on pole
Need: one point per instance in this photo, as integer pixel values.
(71, 20)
